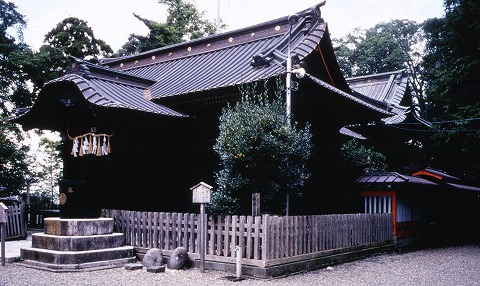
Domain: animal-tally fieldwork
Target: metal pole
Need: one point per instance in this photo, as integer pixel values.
(202, 238)
(288, 81)
(218, 18)
(239, 262)
(292, 20)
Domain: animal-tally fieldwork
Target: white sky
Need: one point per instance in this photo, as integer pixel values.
(113, 21)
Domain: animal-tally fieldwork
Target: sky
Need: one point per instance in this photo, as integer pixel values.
(113, 20)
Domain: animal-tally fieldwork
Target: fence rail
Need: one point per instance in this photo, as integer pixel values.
(264, 239)
(16, 228)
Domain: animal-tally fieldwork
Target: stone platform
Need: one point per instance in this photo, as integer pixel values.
(77, 245)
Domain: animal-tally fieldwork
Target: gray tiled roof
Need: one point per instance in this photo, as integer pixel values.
(142, 81)
(464, 187)
(113, 93)
(230, 59)
(392, 177)
(387, 87)
(372, 104)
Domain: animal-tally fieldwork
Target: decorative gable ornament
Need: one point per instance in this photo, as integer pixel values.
(90, 143)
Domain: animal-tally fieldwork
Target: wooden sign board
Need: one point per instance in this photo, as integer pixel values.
(201, 193)
(3, 213)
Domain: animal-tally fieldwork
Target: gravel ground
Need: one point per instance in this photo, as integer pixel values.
(442, 266)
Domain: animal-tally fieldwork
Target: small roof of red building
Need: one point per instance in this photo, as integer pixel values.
(427, 176)
(391, 177)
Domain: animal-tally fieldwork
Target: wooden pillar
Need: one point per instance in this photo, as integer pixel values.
(255, 204)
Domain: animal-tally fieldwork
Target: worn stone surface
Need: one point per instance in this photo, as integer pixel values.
(74, 244)
(75, 257)
(178, 258)
(153, 257)
(133, 266)
(77, 243)
(78, 227)
(156, 269)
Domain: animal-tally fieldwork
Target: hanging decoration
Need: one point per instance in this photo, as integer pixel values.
(90, 143)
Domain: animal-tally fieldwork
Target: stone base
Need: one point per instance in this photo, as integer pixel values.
(77, 245)
(90, 266)
(75, 257)
(156, 269)
(78, 227)
(133, 266)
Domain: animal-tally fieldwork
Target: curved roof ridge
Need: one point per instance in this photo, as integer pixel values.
(400, 71)
(103, 92)
(216, 37)
(371, 103)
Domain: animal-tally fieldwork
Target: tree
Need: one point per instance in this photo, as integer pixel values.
(13, 167)
(20, 66)
(386, 47)
(51, 168)
(46, 64)
(73, 37)
(452, 70)
(70, 37)
(383, 48)
(184, 22)
(259, 153)
(395, 45)
(358, 156)
(11, 75)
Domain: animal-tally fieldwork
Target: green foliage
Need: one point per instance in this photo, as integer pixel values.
(187, 20)
(259, 153)
(383, 48)
(40, 201)
(11, 74)
(452, 69)
(73, 37)
(184, 22)
(13, 166)
(357, 155)
(50, 168)
(12, 154)
(46, 64)
(19, 66)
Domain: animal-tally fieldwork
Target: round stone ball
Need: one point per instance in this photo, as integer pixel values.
(153, 257)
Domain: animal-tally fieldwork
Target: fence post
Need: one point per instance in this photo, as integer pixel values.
(3, 233)
(265, 238)
(201, 195)
(3, 229)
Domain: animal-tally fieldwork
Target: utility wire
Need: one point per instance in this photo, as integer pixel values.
(432, 130)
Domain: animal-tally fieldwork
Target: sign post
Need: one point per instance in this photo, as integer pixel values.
(255, 204)
(3, 229)
(201, 195)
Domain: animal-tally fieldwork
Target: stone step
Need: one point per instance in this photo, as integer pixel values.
(77, 243)
(78, 227)
(79, 267)
(75, 257)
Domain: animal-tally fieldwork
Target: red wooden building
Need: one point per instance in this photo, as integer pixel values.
(429, 201)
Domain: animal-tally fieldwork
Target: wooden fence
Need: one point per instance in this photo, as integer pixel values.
(265, 240)
(16, 227)
(35, 219)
